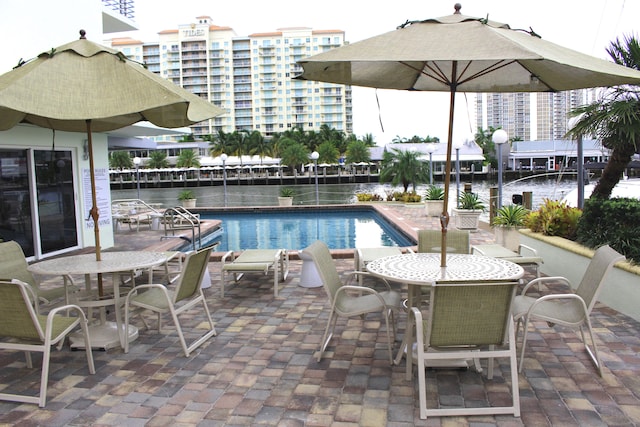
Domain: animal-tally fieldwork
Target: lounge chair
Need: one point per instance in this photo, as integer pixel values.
(466, 321)
(571, 309)
(351, 300)
(14, 265)
(30, 331)
(186, 295)
(256, 261)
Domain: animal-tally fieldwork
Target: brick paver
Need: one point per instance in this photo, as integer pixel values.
(260, 369)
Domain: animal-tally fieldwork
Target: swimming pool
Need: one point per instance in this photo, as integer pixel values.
(298, 228)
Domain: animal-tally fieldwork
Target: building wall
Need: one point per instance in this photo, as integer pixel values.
(530, 116)
(30, 28)
(249, 76)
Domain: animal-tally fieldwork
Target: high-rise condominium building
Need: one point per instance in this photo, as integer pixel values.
(251, 77)
(530, 116)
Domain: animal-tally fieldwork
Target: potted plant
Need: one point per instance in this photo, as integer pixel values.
(434, 200)
(468, 214)
(188, 198)
(506, 223)
(286, 196)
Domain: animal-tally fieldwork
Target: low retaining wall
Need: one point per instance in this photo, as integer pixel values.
(566, 258)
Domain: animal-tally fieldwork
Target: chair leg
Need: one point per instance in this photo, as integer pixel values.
(331, 324)
(593, 354)
(525, 327)
(45, 374)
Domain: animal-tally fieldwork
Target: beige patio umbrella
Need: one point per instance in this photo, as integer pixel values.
(85, 87)
(459, 53)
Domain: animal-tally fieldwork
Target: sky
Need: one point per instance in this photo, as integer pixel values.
(587, 26)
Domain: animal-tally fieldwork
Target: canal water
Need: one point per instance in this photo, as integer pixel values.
(552, 186)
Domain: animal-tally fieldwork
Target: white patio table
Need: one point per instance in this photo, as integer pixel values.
(423, 269)
(105, 334)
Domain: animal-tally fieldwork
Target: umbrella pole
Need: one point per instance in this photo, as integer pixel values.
(94, 202)
(444, 218)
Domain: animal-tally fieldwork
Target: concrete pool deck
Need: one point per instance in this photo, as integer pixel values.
(260, 370)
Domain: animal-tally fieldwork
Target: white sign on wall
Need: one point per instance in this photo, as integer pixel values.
(102, 197)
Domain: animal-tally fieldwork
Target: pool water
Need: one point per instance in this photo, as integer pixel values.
(296, 229)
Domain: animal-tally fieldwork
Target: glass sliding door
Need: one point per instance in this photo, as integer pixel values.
(43, 222)
(15, 206)
(56, 202)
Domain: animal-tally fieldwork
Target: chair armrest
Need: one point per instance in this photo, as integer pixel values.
(558, 297)
(351, 276)
(361, 289)
(228, 257)
(529, 249)
(545, 279)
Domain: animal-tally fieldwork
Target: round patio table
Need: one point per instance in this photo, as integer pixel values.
(106, 334)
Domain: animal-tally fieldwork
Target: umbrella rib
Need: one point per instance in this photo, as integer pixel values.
(439, 76)
(490, 69)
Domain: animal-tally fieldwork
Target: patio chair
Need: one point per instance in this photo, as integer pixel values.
(467, 321)
(256, 261)
(351, 300)
(13, 265)
(186, 295)
(430, 241)
(363, 256)
(27, 330)
(571, 309)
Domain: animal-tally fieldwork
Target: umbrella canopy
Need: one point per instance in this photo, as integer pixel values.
(85, 87)
(459, 53)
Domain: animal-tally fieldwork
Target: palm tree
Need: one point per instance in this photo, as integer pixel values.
(357, 151)
(369, 140)
(188, 158)
(328, 153)
(158, 159)
(615, 119)
(295, 154)
(257, 145)
(484, 139)
(403, 168)
(120, 160)
(220, 143)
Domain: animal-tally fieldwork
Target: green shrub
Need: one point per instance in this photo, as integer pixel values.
(410, 197)
(554, 218)
(434, 193)
(368, 197)
(615, 222)
(510, 216)
(471, 201)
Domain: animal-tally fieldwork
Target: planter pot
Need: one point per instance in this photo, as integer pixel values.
(568, 259)
(285, 201)
(189, 203)
(467, 219)
(433, 207)
(509, 237)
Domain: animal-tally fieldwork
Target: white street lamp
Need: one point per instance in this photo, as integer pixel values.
(223, 157)
(430, 149)
(457, 145)
(580, 160)
(314, 157)
(499, 137)
(136, 161)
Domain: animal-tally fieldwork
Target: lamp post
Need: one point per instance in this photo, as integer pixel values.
(430, 149)
(457, 145)
(223, 157)
(499, 137)
(580, 161)
(136, 161)
(314, 157)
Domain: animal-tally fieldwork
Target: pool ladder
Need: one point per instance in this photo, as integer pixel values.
(179, 218)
